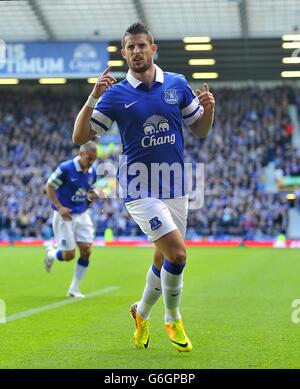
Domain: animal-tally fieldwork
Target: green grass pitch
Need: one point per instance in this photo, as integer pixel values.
(236, 307)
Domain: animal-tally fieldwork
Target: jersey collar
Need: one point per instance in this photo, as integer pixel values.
(159, 77)
(78, 167)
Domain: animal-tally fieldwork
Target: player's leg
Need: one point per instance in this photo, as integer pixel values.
(65, 241)
(80, 269)
(59, 254)
(142, 212)
(152, 290)
(155, 218)
(84, 236)
(158, 258)
(141, 310)
(173, 247)
(153, 287)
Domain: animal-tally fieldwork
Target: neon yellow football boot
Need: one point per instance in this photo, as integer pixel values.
(178, 337)
(142, 329)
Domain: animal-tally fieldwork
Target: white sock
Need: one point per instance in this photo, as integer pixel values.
(79, 273)
(172, 287)
(52, 254)
(55, 254)
(151, 293)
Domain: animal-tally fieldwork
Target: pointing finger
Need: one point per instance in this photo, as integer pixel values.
(206, 87)
(198, 92)
(106, 71)
(105, 74)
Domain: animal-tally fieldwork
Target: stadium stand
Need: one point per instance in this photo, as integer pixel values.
(251, 129)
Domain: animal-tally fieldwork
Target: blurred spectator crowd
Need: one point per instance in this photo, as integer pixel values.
(251, 128)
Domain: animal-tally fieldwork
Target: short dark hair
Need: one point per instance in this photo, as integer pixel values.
(138, 28)
(88, 146)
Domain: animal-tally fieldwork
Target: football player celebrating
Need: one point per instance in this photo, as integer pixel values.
(149, 107)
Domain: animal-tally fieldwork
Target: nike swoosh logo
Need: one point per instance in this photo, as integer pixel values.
(129, 105)
(73, 179)
(179, 344)
(177, 294)
(146, 344)
(157, 289)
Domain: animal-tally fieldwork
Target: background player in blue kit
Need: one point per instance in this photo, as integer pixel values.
(149, 107)
(70, 189)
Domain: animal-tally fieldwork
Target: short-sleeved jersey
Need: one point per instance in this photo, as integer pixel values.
(150, 124)
(72, 184)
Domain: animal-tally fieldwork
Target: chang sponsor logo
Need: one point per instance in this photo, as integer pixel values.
(79, 196)
(154, 129)
(85, 59)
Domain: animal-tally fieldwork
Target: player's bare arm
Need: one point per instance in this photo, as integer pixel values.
(64, 211)
(202, 125)
(82, 129)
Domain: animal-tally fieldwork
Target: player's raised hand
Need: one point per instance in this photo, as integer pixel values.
(206, 99)
(104, 82)
(65, 213)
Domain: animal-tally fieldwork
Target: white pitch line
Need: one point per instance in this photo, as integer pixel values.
(70, 300)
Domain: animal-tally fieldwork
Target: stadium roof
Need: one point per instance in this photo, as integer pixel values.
(168, 19)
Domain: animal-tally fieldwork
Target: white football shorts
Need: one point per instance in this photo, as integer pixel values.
(68, 232)
(157, 217)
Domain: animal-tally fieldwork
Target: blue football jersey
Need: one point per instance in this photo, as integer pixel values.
(72, 185)
(150, 124)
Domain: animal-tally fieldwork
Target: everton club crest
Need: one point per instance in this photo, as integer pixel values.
(171, 96)
(155, 223)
